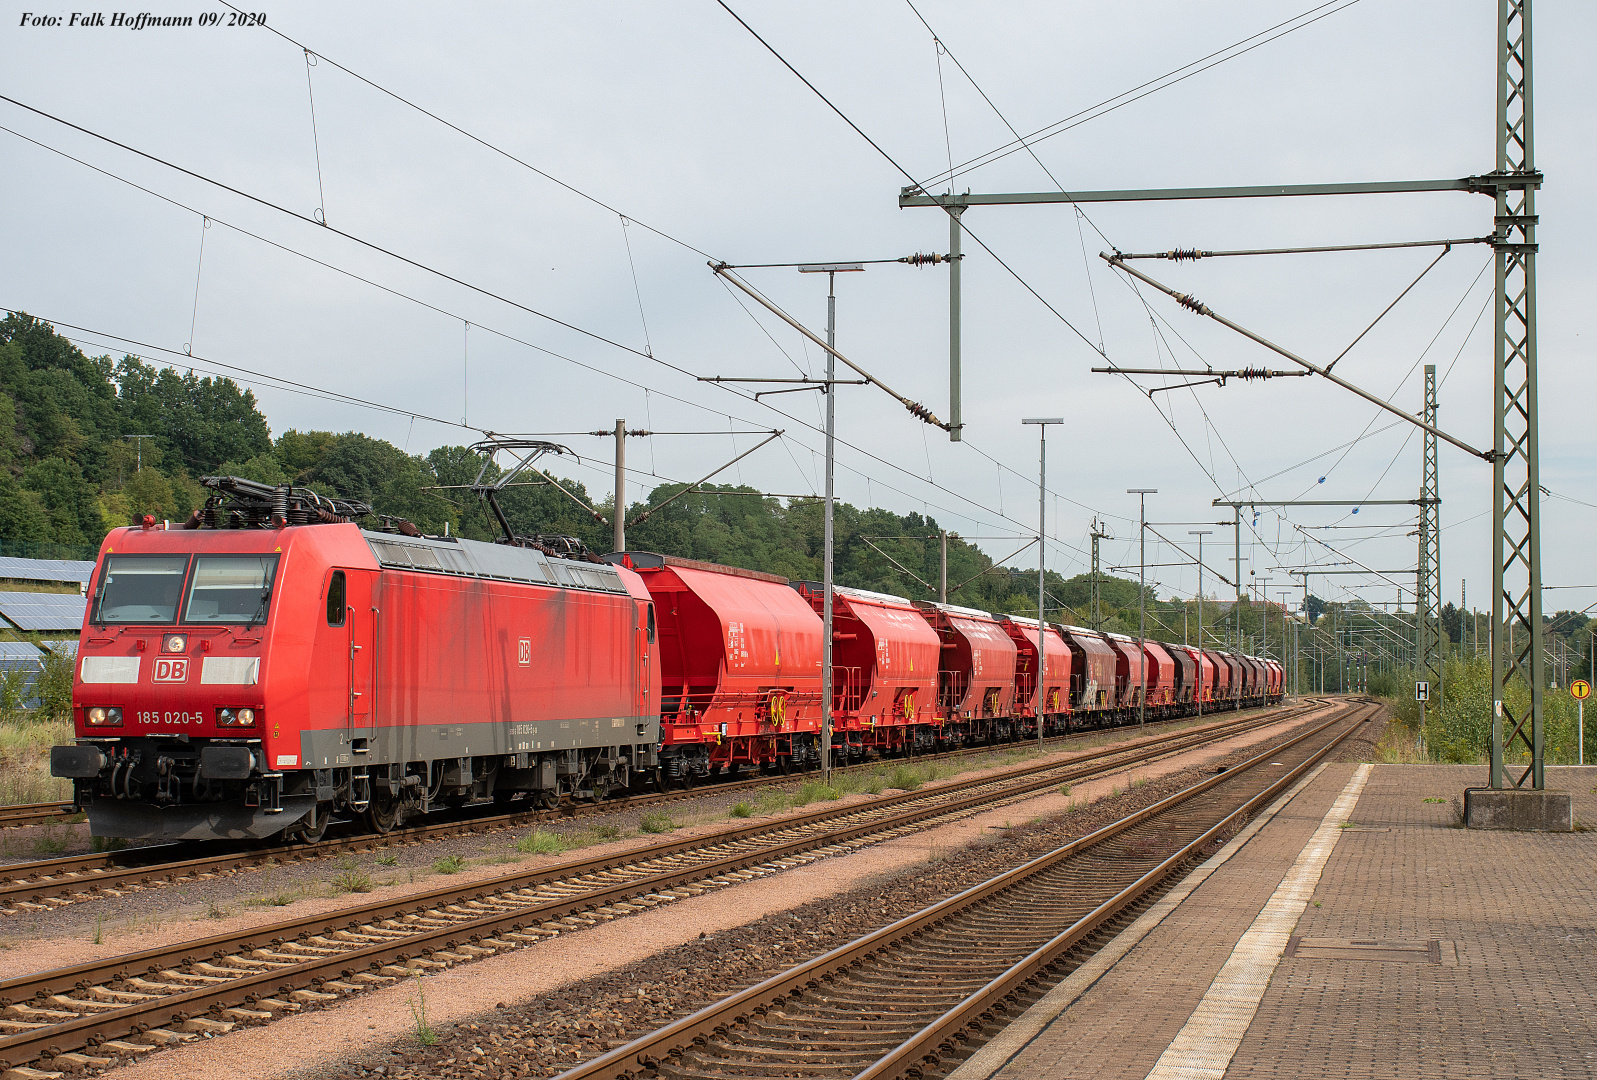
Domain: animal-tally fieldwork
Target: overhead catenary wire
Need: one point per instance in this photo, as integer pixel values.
(908, 176)
(530, 167)
(648, 346)
(595, 200)
(199, 268)
(321, 391)
(1151, 86)
(320, 213)
(353, 238)
(446, 276)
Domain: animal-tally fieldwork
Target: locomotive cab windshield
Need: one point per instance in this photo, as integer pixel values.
(140, 589)
(230, 589)
(149, 589)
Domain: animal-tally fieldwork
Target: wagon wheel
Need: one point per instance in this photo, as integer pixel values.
(383, 814)
(316, 822)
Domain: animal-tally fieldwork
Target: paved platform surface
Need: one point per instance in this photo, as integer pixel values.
(1351, 931)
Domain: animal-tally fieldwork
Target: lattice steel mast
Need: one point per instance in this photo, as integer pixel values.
(1428, 575)
(1095, 615)
(1516, 503)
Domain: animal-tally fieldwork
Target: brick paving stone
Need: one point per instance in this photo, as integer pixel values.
(1119, 1027)
(1521, 909)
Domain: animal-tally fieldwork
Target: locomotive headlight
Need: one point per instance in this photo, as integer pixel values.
(174, 643)
(235, 717)
(103, 716)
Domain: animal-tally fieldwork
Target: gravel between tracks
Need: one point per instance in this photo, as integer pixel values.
(251, 896)
(537, 1011)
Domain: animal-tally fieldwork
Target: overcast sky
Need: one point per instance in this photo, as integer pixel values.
(673, 115)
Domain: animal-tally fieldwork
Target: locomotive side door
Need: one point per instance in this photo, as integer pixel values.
(361, 622)
(342, 684)
(644, 703)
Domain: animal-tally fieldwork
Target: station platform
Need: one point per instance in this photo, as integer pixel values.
(1352, 930)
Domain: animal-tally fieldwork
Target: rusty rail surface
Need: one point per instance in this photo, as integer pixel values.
(35, 813)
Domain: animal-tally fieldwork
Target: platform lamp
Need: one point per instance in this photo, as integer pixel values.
(1042, 509)
(1200, 534)
(1142, 595)
(831, 270)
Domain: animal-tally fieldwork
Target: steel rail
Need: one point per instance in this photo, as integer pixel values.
(54, 981)
(366, 841)
(642, 1054)
(252, 987)
(93, 873)
(931, 1040)
(34, 813)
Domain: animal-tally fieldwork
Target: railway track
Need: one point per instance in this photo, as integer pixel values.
(916, 996)
(35, 813)
(124, 1006)
(48, 883)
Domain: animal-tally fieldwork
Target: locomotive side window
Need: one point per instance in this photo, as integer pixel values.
(335, 599)
(230, 589)
(141, 588)
(651, 624)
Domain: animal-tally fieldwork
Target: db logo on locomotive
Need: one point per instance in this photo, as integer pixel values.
(170, 669)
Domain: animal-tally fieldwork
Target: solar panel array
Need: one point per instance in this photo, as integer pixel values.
(46, 569)
(43, 611)
(13, 653)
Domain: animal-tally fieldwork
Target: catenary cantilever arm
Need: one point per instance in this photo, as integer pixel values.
(1193, 304)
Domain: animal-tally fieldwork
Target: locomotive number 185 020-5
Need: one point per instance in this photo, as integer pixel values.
(170, 718)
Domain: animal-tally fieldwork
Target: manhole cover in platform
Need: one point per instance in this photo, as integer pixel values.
(1371, 949)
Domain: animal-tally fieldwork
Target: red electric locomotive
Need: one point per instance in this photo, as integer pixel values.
(273, 663)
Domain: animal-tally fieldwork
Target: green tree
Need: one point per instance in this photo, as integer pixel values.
(262, 468)
(148, 492)
(22, 512)
(299, 452)
(70, 503)
(200, 422)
